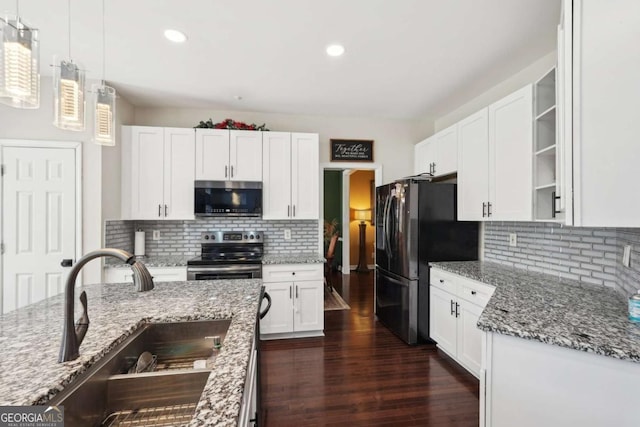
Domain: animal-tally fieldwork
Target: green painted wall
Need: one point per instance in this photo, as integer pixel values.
(333, 205)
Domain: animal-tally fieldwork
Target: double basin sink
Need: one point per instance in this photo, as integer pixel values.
(107, 395)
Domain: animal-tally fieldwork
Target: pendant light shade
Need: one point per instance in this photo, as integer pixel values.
(104, 115)
(19, 64)
(68, 95)
(104, 101)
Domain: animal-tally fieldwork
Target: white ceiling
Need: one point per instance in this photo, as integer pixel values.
(404, 58)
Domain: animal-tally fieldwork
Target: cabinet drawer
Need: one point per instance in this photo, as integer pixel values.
(292, 272)
(443, 280)
(474, 292)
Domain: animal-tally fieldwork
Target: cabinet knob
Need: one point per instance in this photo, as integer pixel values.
(293, 273)
(441, 280)
(473, 292)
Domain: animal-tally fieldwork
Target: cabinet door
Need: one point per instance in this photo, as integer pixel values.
(279, 319)
(424, 156)
(309, 306)
(473, 166)
(276, 175)
(212, 154)
(442, 320)
(245, 158)
(147, 172)
(179, 156)
(606, 66)
(469, 345)
(446, 150)
(511, 156)
(305, 176)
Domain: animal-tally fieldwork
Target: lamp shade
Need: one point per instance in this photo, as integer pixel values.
(104, 107)
(19, 64)
(68, 93)
(363, 214)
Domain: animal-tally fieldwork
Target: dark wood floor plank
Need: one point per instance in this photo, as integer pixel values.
(360, 374)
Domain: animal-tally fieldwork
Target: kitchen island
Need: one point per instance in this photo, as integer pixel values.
(30, 339)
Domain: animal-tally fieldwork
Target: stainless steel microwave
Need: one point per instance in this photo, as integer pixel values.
(228, 198)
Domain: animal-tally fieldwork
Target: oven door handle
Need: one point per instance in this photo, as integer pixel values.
(266, 310)
(253, 267)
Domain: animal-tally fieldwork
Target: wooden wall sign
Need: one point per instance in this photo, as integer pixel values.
(351, 150)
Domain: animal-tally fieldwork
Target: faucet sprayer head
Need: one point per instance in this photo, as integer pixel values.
(141, 277)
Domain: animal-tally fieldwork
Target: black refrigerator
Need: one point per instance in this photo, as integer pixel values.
(416, 223)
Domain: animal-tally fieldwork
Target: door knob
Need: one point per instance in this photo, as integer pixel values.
(66, 263)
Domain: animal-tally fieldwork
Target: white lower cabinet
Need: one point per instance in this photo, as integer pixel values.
(159, 274)
(456, 304)
(297, 301)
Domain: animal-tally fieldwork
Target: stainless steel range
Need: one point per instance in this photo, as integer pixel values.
(228, 255)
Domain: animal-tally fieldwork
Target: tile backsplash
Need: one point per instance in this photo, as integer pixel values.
(182, 238)
(591, 255)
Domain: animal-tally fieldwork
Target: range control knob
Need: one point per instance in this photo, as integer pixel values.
(206, 237)
(246, 237)
(251, 236)
(213, 237)
(258, 236)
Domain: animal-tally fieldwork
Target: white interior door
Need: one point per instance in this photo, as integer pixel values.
(39, 222)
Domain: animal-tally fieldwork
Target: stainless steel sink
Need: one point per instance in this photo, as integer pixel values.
(107, 395)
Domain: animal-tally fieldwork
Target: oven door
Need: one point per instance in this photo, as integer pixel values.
(242, 271)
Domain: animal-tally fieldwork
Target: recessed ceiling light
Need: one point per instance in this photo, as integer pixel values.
(175, 36)
(335, 50)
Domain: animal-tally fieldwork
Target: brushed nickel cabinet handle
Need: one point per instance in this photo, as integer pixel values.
(159, 211)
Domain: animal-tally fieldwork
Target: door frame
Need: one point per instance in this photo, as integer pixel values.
(27, 143)
(347, 168)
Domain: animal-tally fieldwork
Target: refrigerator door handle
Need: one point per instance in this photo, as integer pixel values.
(386, 223)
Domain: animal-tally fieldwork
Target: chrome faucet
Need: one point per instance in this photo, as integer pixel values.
(72, 336)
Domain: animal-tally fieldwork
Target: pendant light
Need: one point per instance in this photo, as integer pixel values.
(68, 91)
(19, 62)
(104, 103)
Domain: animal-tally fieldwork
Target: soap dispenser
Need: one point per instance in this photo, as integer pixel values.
(634, 307)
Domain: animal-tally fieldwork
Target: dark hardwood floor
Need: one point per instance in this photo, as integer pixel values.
(360, 374)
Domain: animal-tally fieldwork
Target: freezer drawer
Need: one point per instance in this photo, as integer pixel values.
(397, 305)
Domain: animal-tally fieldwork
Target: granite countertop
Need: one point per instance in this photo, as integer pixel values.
(156, 261)
(298, 258)
(562, 312)
(30, 339)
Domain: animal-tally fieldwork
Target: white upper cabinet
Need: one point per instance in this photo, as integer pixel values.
(212, 154)
(446, 161)
(495, 161)
(157, 172)
(424, 156)
(473, 166)
(606, 102)
(228, 155)
(305, 176)
(276, 175)
(510, 157)
(245, 155)
(438, 154)
(291, 170)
